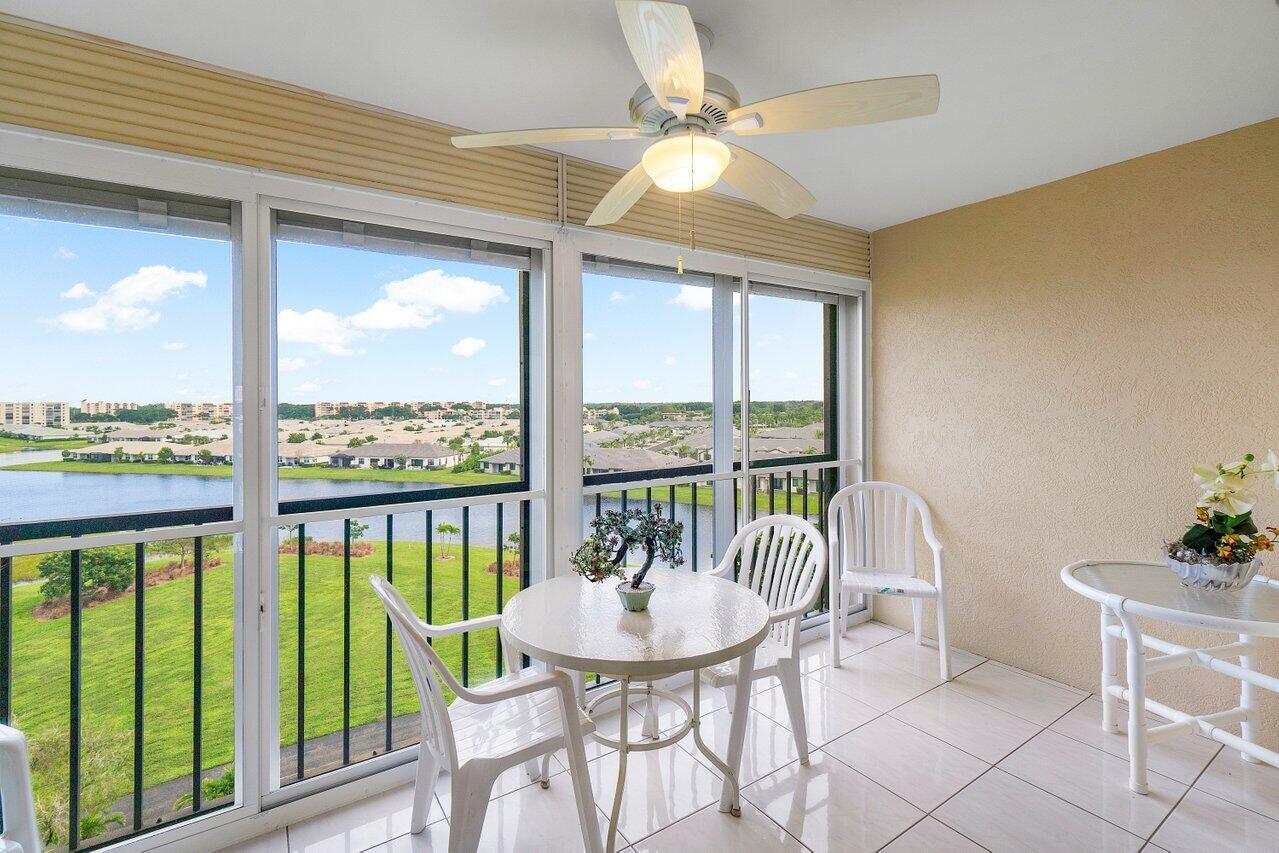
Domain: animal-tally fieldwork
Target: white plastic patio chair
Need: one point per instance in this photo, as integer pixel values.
(871, 527)
(784, 561)
(15, 793)
(516, 719)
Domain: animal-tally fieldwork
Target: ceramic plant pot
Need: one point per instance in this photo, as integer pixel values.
(635, 599)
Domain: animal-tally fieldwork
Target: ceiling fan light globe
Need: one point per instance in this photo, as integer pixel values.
(679, 164)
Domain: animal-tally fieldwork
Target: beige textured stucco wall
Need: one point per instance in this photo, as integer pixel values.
(1048, 365)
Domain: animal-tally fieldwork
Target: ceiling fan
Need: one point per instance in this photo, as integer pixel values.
(687, 110)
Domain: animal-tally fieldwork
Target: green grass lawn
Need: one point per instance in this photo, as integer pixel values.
(9, 444)
(465, 478)
(41, 686)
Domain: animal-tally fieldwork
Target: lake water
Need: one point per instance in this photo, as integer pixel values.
(35, 495)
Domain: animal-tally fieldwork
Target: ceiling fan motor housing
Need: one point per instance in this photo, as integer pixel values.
(719, 100)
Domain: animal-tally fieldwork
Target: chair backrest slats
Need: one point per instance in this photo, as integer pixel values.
(872, 526)
(783, 560)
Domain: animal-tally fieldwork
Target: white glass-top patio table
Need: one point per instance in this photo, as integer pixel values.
(692, 621)
(1126, 590)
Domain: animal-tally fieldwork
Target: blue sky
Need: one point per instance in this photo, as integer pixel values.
(118, 314)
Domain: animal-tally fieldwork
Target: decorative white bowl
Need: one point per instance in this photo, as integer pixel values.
(1218, 577)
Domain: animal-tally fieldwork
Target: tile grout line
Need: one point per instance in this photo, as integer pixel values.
(932, 812)
(1150, 838)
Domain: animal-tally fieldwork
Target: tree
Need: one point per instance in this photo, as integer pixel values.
(204, 456)
(111, 568)
(66, 454)
(513, 542)
(165, 454)
(447, 533)
(297, 437)
(316, 436)
(457, 443)
(355, 442)
(117, 455)
(358, 529)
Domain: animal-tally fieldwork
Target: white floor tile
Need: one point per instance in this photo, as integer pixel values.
(921, 660)
(1027, 696)
(433, 839)
(975, 727)
(271, 842)
(710, 829)
(360, 825)
(662, 786)
(881, 686)
(1204, 822)
(911, 764)
(829, 806)
(865, 635)
(1093, 780)
(1253, 786)
(768, 745)
(932, 836)
(1181, 758)
(827, 712)
(1001, 812)
(536, 819)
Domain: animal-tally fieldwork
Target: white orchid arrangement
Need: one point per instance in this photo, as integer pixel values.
(1224, 530)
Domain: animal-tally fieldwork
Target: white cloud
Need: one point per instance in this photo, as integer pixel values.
(122, 308)
(436, 290)
(174, 346)
(693, 297)
(65, 253)
(389, 314)
(642, 383)
(79, 290)
(618, 296)
(324, 329)
(288, 365)
(468, 347)
(588, 336)
(307, 388)
(497, 383)
(669, 361)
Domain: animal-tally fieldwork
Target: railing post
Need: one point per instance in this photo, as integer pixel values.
(6, 640)
(346, 641)
(501, 572)
(139, 663)
(301, 674)
(73, 745)
(466, 594)
(197, 697)
(390, 578)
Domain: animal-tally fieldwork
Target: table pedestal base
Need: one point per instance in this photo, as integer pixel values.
(730, 797)
(1118, 624)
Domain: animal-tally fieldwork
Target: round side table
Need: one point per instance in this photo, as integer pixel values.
(1126, 590)
(692, 621)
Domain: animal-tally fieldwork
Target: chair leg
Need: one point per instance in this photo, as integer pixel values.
(650, 730)
(472, 787)
(730, 696)
(539, 770)
(917, 606)
(587, 814)
(835, 609)
(428, 771)
(792, 691)
(943, 640)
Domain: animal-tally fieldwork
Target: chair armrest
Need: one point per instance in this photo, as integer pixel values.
(723, 570)
(542, 681)
(479, 623)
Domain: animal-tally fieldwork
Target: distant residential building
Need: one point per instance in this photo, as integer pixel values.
(127, 451)
(42, 433)
(34, 414)
(506, 462)
(610, 460)
(100, 407)
(591, 415)
(202, 411)
(303, 453)
(382, 454)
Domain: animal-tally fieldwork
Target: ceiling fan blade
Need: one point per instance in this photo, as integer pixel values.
(621, 197)
(544, 135)
(664, 44)
(766, 184)
(864, 102)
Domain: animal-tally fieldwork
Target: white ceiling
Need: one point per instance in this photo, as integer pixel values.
(1032, 90)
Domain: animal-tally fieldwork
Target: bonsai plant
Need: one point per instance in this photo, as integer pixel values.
(1219, 550)
(617, 533)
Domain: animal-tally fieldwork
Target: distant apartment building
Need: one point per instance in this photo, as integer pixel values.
(100, 407)
(34, 414)
(202, 411)
(591, 415)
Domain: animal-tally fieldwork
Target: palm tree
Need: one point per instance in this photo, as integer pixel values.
(446, 533)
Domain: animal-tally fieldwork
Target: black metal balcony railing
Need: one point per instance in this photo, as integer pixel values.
(450, 580)
(102, 781)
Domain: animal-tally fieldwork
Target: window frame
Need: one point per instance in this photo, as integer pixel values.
(301, 506)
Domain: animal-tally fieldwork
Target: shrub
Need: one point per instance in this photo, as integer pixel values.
(111, 568)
